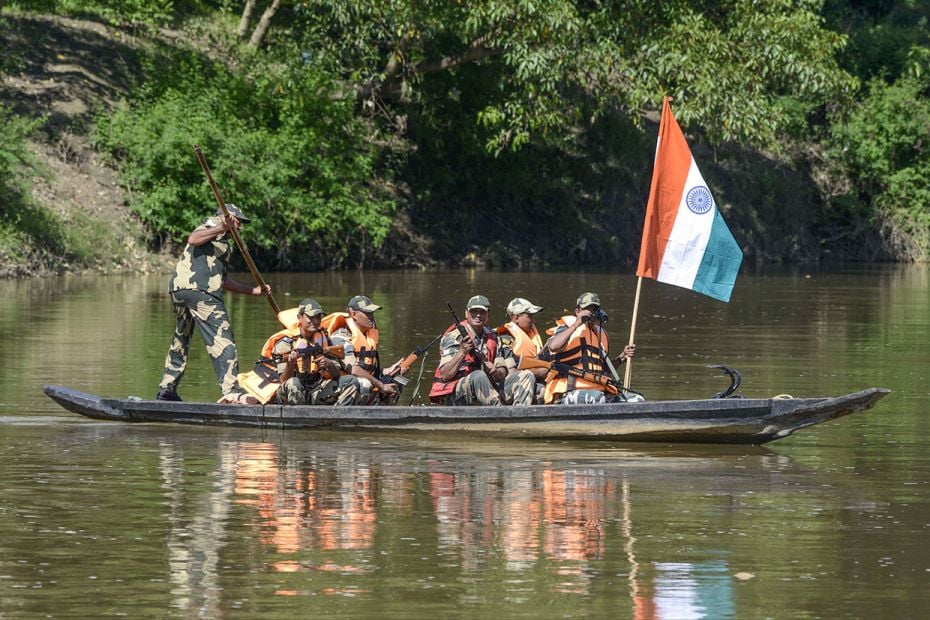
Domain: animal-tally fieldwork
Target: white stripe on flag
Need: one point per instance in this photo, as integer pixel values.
(688, 240)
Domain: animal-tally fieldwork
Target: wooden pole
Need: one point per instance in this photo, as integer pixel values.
(235, 233)
(628, 373)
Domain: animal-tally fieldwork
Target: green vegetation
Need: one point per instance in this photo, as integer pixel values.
(22, 222)
(522, 131)
(299, 161)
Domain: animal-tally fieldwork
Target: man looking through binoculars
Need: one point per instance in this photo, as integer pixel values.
(580, 341)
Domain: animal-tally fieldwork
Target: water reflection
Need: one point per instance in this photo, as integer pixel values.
(335, 508)
(194, 544)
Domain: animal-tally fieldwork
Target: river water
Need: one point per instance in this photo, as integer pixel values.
(108, 519)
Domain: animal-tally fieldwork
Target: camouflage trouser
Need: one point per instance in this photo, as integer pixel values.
(209, 315)
(342, 392)
(520, 388)
(588, 397)
(476, 389)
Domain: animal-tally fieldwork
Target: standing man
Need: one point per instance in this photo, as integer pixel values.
(356, 330)
(581, 341)
(196, 289)
(307, 375)
(462, 379)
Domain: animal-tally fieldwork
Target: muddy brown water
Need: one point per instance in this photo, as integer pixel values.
(106, 519)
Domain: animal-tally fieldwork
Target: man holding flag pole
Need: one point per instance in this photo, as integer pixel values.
(685, 240)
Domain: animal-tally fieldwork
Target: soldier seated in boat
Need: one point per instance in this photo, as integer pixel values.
(307, 373)
(474, 369)
(521, 336)
(357, 331)
(580, 341)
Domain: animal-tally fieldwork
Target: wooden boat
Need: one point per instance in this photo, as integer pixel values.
(725, 420)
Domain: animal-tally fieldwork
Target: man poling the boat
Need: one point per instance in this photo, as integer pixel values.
(305, 364)
(196, 288)
(580, 341)
(471, 366)
(357, 331)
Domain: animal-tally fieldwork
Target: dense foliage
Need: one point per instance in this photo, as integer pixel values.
(522, 130)
(298, 161)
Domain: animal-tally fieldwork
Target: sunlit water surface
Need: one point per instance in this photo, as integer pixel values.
(107, 519)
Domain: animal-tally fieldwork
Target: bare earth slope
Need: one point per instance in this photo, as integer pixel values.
(65, 70)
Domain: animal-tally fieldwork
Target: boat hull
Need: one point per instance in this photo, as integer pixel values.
(745, 420)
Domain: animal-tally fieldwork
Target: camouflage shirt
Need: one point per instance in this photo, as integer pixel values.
(451, 342)
(203, 267)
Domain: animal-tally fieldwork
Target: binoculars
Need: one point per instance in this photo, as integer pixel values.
(598, 316)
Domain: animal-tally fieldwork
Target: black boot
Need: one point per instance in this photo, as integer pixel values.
(168, 395)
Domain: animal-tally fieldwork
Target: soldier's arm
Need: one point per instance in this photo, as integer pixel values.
(386, 388)
(238, 287)
(342, 337)
(452, 355)
(288, 367)
(505, 364)
(208, 231)
(559, 339)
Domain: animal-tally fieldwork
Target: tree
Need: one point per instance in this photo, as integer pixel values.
(730, 65)
(264, 23)
(246, 17)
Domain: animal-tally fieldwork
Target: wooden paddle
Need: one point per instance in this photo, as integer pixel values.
(235, 233)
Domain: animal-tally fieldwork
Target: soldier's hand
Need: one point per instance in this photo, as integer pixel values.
(394, 369)
(262, 290)
(228, 222)
(388, 389)
(468, 345)
(329, 367)
(629, 351)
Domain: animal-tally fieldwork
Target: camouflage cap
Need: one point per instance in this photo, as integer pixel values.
(519, 305)
(310, 307)
(234, 211)
(478, 301)
(362, 303)
(588, 299)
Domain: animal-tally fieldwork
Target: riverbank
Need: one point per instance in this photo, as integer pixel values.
(70, 212)
(449, 202)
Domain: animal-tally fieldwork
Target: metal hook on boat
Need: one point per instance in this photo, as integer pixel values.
(735, 379)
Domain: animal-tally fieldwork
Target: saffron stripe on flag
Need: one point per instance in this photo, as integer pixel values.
(685, 240)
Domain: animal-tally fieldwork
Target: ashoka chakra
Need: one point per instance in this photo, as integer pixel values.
(699, 200)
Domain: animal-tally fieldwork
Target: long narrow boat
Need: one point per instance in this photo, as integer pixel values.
(727, 420)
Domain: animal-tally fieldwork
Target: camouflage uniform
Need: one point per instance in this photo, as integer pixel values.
(196, 288)
(312, 388)
(343, 336)
(475, 388)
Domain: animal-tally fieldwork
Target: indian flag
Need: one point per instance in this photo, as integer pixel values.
(685, 240)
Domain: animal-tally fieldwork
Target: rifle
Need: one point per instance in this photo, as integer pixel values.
(409, 361)
(476, 352)
(610, 386)
(335, 351)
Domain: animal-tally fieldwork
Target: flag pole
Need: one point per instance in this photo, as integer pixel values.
(628, 373)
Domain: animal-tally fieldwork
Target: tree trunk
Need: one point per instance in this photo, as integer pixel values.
(263, 24)
(246, 18)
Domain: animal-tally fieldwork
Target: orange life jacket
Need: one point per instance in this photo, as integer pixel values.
(258, 385)
(524, 345)
(583, 350)
(365, 344)
(469, 364)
